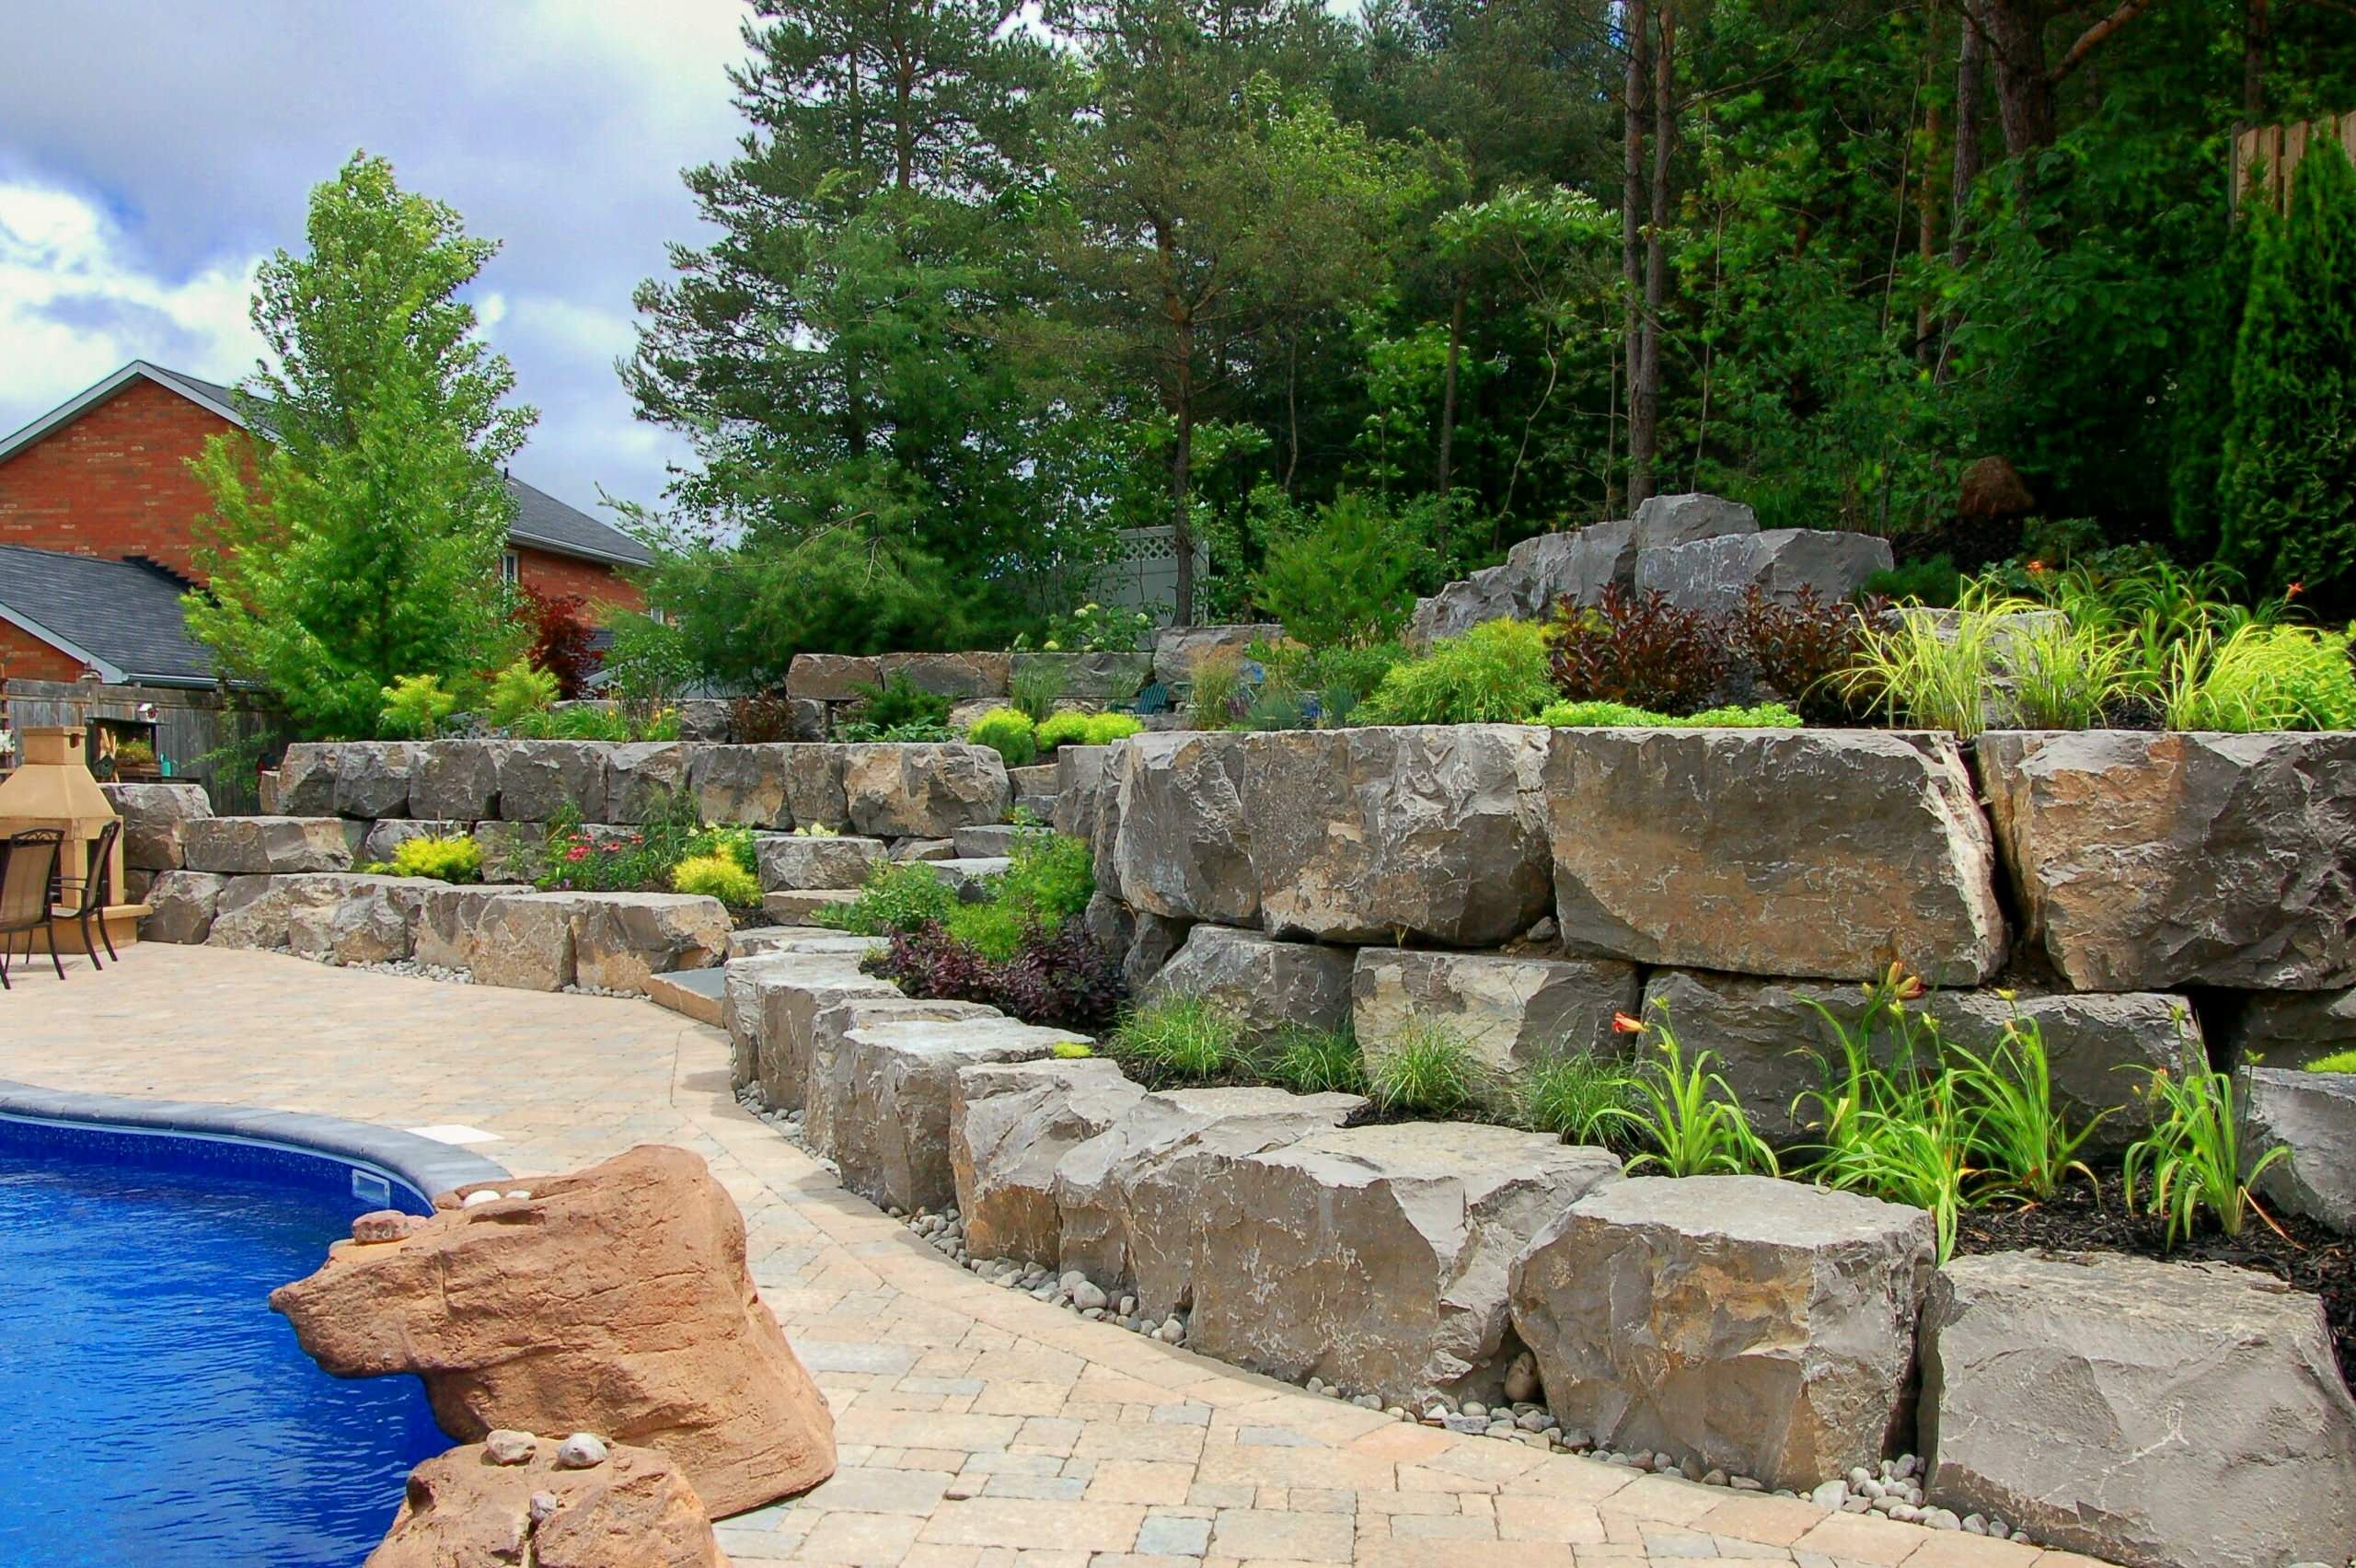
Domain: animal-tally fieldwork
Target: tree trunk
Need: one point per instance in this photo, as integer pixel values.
(2023, 82)
(1637, 23)
(2257, 30)
(1971, 67)
(1448, 387)
(1643, 399)
(1926, 196)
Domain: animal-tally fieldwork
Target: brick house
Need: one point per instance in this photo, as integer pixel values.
(104, 477)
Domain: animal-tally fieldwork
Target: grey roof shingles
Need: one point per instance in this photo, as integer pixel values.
(540, 518)
(118, 611)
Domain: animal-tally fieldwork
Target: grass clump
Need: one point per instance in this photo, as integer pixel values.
(1309, 1060)
(1179, 1037)
(1426, 1069)
(1580, 1096)
(2193, 1157)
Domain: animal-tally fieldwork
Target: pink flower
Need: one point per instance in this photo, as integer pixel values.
(578, 852)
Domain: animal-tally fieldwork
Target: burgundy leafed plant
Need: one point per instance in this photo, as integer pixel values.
(1797, 646)
(1062, 979)
(561, 638)
(1641, 650)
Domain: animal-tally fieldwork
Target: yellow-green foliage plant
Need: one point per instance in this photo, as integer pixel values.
(1009, 731)
(2261, 678)
(1598, 714)
(1492, 673)
(1919, 668)
(717, 876)
(519, 691)
(442, 859)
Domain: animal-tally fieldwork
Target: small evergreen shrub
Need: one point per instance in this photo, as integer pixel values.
(414, 707)
(897, 700)
(1103, 729)
(1065, 727)
(442, 859)
(517, 690)
(1491, 673)
(2338, 1061)
(1009, 731)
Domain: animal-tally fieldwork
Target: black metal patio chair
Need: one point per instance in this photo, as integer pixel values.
(83, 900)
(27, 875)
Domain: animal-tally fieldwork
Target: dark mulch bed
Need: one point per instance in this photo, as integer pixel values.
(2084, 1218)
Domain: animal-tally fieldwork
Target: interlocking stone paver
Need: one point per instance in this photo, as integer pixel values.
(977, 1428)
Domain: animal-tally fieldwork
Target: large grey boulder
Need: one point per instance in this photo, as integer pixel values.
(1810, 853)
(922, 792)
(2290, 1028)
(1376, 1258)
(1578, 565)
(831, 677)
(1772, 1044)
(892, 1143)
(443, 933)
(524, 941)
(256, 846)
(743, 785)
(375, 921)
(642, 778)
(961, 675)
(371, 779)
(542, 780)
(257, 911)
(2313, 1115)
(1711, 575)
(1091, 678)
(814, 787)
(2150, 860)
(154, 819)
(781, 1003)
(1153, 941)
(1128, 1201)
(620, 939)
(831, 1110)
(1180, 842)
(1178, 649)
(1361, 835)
(1664, 520)
(1492, 592)
(180, 907)
(1512, 1011)
(2157, 1415)
(1263, 983)
(1743, 1322)
(1079, 782)
(306, 778)
(456, 780)
(709, 721)
(384, 838)
(1010, 1126)
(790, 863)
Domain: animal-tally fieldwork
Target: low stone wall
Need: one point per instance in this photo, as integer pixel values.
(1769, 1333)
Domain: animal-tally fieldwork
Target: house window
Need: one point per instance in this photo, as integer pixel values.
(511, 569)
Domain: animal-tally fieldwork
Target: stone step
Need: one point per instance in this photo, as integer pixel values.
(692, 993)
(799, 906)
(996, 839)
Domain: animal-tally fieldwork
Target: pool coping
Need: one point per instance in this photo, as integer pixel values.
(429, 1167)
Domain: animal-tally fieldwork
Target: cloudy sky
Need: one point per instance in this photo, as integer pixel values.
(152, 153)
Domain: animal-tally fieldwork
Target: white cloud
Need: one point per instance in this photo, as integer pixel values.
(74, 306)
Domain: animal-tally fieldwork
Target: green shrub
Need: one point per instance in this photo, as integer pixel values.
(1178, 1037)
(517, 690)
(728, 842)
(1309, 1060)
(1492, 673)
(1935, 584)
(2338, 1061)
(1583, 1096)
(1009, 731)
(900, 896)
(443, 860)
(1103, 729)
(1064, 727)
(1051, 878)
(414, 708)
(1426, 1069)
(1760, 715)
(995, 930)
(898, 700)
(717, 876)
(1348, 578)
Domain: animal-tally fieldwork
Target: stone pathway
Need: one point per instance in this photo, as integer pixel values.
(979, 1428)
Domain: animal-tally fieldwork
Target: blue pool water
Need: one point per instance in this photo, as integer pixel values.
(155, 1409)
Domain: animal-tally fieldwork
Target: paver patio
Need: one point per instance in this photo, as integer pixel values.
(977, 1426)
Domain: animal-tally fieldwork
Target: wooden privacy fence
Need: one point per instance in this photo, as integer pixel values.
(2270, 153)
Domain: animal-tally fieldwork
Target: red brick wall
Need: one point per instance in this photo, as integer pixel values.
(26, 657)
(114, 482)
(555, 575)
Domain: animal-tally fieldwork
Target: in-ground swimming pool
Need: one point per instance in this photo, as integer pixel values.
(156, 1409)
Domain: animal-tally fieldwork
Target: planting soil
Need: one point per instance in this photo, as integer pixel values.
(2084, 1218)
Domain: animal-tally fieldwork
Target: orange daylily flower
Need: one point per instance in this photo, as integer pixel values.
(1622, 1024)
